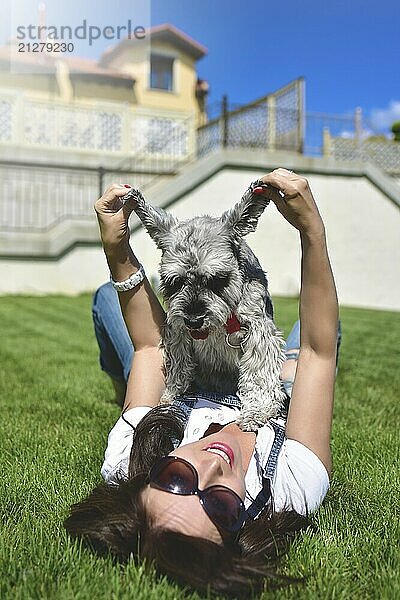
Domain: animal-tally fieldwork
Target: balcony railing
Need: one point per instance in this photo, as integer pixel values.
(129, 144)
(102, 128)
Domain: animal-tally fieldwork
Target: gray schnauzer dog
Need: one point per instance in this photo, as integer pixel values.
(219, 334)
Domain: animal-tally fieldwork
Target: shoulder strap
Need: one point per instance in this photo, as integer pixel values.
(264, 495)
(186, 405)
(272, 461)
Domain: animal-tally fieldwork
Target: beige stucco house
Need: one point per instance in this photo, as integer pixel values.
(137, 92)
(156, 72)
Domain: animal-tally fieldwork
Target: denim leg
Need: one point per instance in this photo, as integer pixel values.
(293, 339)
(293, 343)
(116, 348)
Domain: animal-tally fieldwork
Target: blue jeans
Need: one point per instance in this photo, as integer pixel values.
(293, 339)
(116, 348)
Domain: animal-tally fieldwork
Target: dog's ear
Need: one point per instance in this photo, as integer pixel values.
(157, 222)
(243, 217)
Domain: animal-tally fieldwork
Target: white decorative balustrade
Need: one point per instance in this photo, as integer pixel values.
(57, 156)
(95, 127)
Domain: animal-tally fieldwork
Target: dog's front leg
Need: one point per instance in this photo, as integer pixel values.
(259, 387)
(178, 364)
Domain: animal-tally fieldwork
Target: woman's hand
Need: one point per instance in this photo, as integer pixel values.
(297, 204)
(113, 215)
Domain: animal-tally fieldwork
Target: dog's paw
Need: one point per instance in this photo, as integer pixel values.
(247, 423)
(257, 408)
(167, 397)
(253, 420)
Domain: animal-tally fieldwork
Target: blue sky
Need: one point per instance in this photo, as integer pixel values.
(348, 50)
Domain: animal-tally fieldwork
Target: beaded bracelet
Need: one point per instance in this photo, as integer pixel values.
(130, 283)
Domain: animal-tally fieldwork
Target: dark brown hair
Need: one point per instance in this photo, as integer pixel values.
(112, 520)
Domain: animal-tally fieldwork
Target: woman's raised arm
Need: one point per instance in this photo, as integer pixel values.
(310, 413)
(142, 312)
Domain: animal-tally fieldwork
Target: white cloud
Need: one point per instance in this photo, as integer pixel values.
(366, 132)
(346, 134)
(383, 118)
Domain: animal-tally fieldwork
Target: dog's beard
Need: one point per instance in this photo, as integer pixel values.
(193, 301)
(216, 314)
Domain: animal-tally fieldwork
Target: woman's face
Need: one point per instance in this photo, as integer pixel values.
(185, 513)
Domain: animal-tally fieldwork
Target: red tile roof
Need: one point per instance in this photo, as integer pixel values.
(47, 63)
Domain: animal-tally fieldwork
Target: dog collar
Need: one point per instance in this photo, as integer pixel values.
(232, 324)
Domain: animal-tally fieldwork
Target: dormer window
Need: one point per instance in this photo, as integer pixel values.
(161, 72)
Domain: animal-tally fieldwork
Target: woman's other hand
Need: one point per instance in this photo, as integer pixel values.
(113, 215)
(295, 202)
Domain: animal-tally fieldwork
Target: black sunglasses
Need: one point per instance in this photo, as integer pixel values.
(223, 506)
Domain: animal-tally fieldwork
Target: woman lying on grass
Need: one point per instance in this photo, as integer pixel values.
(212, 506)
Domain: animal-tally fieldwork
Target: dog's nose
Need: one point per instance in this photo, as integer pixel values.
(193, 322)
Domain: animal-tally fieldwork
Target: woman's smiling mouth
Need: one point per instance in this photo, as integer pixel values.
(222, 450)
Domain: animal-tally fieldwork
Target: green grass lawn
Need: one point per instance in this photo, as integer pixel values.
(57, 409)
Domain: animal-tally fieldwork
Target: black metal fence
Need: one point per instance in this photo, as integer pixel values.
(36, 197)
(273, 122)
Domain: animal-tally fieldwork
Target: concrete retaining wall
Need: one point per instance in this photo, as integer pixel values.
(361, 215)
